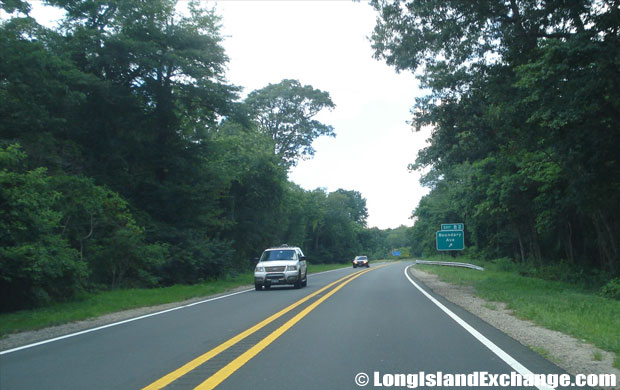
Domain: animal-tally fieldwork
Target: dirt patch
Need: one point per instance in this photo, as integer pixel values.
(573, 355)
(15, 340)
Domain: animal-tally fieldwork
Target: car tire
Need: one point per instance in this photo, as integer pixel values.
(258, 287)
(368, 265)
(304, 282)
(354, 266)
(298, 281)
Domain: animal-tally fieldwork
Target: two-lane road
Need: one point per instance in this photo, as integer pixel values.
(346, 322)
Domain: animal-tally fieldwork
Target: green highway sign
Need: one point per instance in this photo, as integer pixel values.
(452, 226)
(453, 240)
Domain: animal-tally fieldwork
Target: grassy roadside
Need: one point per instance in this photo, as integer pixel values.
(93, 305)
(559, 306)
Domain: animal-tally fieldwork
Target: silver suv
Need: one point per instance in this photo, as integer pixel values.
(280, 266)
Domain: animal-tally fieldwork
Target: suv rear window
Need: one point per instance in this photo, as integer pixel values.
(283, 254)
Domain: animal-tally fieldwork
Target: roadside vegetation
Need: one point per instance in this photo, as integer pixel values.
(127, 161)
(523, 100)
(576, 308)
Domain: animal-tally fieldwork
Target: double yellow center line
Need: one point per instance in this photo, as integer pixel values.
(238, 362)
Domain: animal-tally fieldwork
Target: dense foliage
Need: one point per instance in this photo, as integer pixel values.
(523, 101)
(126, 159)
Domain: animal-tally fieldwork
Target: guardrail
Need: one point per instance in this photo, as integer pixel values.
(450, 263)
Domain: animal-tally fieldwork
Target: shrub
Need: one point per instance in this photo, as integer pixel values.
(611, 289)
(38, 265)
(506, 264)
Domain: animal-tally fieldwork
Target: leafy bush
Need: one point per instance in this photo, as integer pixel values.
(611, 289)
(61, 234)
(506, 264)
(38, 265)
(590, 278)
(196, 258)
(98, 223)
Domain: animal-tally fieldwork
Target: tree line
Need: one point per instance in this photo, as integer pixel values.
(523, 100)
(128, 160)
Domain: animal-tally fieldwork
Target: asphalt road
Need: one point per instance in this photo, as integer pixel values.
(369, 322)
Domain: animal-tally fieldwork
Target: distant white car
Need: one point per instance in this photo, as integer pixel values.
(361, 261)
(281, 266)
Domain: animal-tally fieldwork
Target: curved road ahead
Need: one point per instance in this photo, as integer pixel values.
(347, 322)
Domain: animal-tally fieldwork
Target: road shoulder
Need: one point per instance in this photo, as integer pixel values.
(572, 355)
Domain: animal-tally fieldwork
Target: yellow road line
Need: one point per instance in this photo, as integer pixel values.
(176, 374)
(233, 366)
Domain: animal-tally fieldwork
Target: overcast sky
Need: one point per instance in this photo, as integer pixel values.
(325, 44)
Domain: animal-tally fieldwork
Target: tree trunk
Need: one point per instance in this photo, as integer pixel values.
(521, 247)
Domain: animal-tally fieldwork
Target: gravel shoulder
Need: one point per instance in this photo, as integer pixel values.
(573, 355)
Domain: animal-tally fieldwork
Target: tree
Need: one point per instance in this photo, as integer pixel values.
(356, 206)
(523, 100)
(139, 165)
(147, 126)
(284, 111)
(255, 204)
(10, 6)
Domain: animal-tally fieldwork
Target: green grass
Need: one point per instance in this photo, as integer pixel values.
(93, 305)
(555, 305)
(597, 356)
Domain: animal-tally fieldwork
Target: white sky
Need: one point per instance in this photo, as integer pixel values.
(324, 44)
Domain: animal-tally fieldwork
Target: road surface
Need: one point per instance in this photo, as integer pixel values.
(371, 325)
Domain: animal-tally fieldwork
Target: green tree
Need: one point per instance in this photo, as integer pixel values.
(152, 116)
(356, 206)
(285, 112)
(522, 101)
(11, 6)
(255, 203)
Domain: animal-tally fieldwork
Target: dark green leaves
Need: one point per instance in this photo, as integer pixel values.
(523, 101)
(284, 111)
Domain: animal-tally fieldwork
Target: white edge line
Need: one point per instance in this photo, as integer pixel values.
(518, 367)
(119, 323)
(5, 352)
